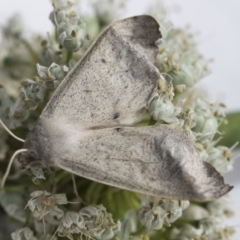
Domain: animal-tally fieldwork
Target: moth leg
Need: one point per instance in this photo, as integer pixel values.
(52, 175)
(75, 189)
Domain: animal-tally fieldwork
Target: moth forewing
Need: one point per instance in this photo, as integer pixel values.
(83, 129)
(155, 160)
(114, 82)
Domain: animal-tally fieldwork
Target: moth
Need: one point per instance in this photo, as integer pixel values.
(86, 127)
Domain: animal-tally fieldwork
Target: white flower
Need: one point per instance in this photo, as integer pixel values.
(208, 117)
(12, 112)
(208, 228)
(155, 211)
(179, 59)
(195, 212)
(164, 110)
(70, 28)
(186, 232)
(99, 222)
(23, 234)
(213, 228)
(63, 4)
(161, 107)
(128, 225)
(54, 72)
(43, 203)
(50, 52)
(220, 208)
(221, 158)
(71, 223)
(33, 92)
(152, 218)
(70, 35)
(174, 209)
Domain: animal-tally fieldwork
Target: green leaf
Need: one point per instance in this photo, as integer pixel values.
(231, 130)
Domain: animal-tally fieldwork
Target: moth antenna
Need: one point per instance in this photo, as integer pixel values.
(53, 190)
(9, 166)
(8, 130)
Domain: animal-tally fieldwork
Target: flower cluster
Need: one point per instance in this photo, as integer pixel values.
(32, 67)
(180, 106)
(208, 222)
(210, 228)
(155, 211)
(14, 112)
(161, 107)
(70, 28)
(23, 234)
(180, 61)
(92, 221)
(27, 234)
(43, 203)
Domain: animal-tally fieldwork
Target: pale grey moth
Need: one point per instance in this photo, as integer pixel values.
(86, 126)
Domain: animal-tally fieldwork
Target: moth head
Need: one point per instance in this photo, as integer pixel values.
(31, 162)
(27, 156)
